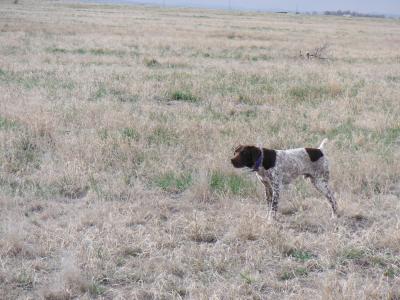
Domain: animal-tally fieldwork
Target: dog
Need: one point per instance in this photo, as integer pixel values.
(276, 168)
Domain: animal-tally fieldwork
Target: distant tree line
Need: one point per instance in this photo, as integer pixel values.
(351, 13)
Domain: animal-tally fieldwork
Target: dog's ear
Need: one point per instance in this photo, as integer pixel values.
(249, 155)
(238, 148)
(255, 154)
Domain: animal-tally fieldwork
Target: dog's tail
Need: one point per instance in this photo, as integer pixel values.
(321, 146)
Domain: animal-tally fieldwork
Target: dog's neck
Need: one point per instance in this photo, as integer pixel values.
(259, 161)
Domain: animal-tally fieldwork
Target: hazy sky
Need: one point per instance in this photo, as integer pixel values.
(365, 6)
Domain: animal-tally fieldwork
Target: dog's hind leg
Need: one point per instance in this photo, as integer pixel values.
(321, 184)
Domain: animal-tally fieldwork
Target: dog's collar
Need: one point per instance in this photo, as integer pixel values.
(259, 161)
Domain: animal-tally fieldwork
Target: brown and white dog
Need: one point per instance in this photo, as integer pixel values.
(276, 168)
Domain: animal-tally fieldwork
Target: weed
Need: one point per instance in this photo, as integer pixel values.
(300, 255)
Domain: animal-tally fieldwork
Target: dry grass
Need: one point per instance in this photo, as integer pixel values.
(116, 127)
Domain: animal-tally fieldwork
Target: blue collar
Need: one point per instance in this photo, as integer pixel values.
(259, 161)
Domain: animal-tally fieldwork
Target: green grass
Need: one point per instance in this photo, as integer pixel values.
(6, 124)
(82, 51)
(174, 183)
(231, 184)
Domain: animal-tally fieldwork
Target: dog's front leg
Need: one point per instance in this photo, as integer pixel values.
(268, 193)
(276, 185)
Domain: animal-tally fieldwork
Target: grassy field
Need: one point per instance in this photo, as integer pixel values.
(117, 125)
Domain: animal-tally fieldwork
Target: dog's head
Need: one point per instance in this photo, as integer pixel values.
(245, 156)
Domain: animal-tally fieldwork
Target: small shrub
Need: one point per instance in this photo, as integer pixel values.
(99, 93)
(186, 96)
(71, 188)
(391, 136)
(353, 253)
(391, 272)
(96, 289)
(24, 281)
(130, 133)
(151, 62)
(134, 252)
(297, 272)
(391, 78)
(23, 155)
(204, 237)
(3, 73)
(246, 278)
(161, 135)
